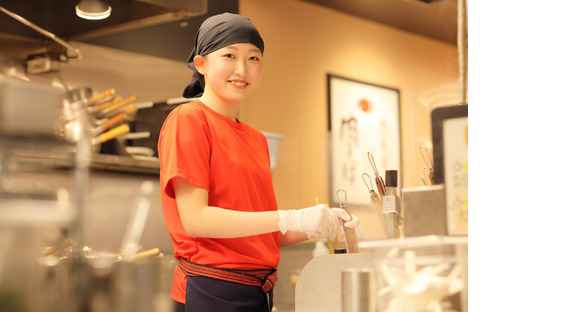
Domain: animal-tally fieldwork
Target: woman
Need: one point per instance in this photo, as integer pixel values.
(216, 185)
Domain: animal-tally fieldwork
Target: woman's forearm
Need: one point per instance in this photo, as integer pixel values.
(215, 222)
(292, 237)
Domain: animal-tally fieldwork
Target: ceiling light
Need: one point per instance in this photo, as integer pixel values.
(93, 9)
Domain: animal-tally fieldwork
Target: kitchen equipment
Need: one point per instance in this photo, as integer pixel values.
(425, 211)
(80, 110)
(318, 287)
(109, 135)
(102, 96)
(274, 140)
(358, 290)
(427, 273)
(376, 202)
(28, 109)
(428, 165)
(378, 179)
(392, 204)
(136, 225)
(349, 233)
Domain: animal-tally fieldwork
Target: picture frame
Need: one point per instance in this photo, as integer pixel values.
(364, 123)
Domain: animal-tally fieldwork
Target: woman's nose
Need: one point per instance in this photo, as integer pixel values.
(240, 68)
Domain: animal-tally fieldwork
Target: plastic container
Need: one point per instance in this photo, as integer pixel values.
(426, 273)
(274, 140)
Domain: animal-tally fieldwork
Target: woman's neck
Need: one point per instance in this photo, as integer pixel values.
(227, 109)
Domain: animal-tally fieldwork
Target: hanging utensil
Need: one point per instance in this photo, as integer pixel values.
(378, 179)
(102, 96)
(118, 105)
(376, 201)
(94, 109)
(430, 176)
(111, 134)
(109, 123)
(349, 233)
(136, 225)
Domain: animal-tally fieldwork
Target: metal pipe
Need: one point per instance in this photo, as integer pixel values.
(76, 52)
(461, 47)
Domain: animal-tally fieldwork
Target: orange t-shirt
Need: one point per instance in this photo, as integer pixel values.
(231, 161)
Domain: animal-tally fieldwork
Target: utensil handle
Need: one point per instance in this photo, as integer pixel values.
(117, 119)
(111, 134)
(106, 104)
(147, 253)
(105, 94)
(120, 104)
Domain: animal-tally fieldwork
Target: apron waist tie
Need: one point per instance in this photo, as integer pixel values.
(265, 278)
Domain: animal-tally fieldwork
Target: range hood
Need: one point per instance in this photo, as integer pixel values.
(162, 28)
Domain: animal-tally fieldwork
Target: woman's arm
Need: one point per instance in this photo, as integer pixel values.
(292, 237)
(201, 220)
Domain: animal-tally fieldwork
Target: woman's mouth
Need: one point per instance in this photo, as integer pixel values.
(239, 83)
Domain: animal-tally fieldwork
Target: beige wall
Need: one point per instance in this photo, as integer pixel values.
(303, 43)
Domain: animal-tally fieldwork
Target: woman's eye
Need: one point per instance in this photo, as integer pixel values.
(254, 58)
(229, 55)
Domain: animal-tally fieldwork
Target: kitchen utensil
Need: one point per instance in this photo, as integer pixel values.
(349, 233)
(376, 201)
(106, 94)
(137, 135)
(358, 290)
(111, 134)
(139, 150)
(392, 204)
(101, 96)
(137, 222)
(430, 176)
(111, 109)
(378, 179)
(100, 106)
(109, 123)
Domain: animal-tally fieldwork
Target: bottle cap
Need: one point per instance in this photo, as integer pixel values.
(391, 178)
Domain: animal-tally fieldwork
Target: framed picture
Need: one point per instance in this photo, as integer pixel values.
(364, 125)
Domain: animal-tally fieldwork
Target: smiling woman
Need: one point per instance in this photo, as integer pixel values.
(232, 73)
(216, 184)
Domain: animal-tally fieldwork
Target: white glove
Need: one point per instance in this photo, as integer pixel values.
(348, 221)
(317, 221)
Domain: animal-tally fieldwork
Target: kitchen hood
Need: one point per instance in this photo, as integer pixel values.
(163, 28)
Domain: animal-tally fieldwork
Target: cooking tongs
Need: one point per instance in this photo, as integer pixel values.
(349, 233)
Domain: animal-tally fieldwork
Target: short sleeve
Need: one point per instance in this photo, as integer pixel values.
(184, 150)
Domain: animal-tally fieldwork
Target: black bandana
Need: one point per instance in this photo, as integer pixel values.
(215, 33)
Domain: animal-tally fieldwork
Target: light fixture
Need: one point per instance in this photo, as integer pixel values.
(93, 9)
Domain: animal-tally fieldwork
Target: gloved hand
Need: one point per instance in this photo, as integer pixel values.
(348, 221)
(317, 221)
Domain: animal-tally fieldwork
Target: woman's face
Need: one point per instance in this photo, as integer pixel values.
(232, 72)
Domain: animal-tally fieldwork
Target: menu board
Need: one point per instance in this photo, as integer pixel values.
(450, 159)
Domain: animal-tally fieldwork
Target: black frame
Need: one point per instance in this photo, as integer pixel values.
(438, 116)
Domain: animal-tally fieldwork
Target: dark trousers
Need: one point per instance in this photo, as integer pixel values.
(204, 294)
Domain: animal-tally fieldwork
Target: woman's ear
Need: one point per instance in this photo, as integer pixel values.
(199, 62)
